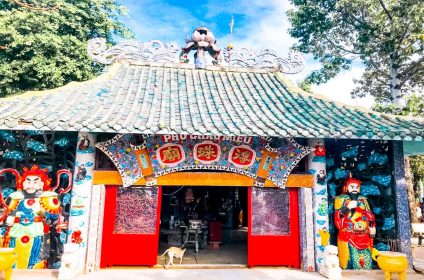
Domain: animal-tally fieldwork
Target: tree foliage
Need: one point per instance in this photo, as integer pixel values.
(417, 167)
(43, 42)
(415, 108)
(387, 36)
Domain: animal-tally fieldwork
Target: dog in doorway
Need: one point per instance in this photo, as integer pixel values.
(171, 253)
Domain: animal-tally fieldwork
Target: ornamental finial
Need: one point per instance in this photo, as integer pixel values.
(201, 40)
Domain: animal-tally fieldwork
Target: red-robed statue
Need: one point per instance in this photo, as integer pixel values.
(356, 225)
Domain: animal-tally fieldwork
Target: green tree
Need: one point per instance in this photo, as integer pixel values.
(43, 42)
(387, 36)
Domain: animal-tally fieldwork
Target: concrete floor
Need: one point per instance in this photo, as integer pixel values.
(194, 273)
(273, 273)
(232, 251)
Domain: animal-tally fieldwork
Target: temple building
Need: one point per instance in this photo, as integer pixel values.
(229, 160)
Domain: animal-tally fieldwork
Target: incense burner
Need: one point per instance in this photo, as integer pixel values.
(7, 260)
(391, 262)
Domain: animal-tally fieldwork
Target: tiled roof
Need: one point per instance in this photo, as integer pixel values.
(175, 98)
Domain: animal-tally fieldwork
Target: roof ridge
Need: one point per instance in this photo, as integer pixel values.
(192, 67)
(295, 89)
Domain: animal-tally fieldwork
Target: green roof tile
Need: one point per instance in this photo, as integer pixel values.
(175, 98)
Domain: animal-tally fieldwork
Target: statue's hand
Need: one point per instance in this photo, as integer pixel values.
(353, 204)
(10, 220)
(372, 231)
(41, 213)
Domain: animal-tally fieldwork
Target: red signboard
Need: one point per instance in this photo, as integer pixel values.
(207, 152)
(170, 154)
(242, 156)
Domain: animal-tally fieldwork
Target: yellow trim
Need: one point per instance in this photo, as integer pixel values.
(218, 179)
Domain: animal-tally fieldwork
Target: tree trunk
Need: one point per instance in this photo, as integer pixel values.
(411, 193)
(394, 85)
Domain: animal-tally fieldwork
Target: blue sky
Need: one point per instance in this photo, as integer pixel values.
(171, 20)
(258, 24)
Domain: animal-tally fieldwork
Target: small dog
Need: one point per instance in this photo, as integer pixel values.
(172, 252)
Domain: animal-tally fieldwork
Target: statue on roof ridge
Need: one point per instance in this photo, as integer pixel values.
(201, 40)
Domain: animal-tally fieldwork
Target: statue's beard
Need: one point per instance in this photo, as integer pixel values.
(31, 195)
(353, 196)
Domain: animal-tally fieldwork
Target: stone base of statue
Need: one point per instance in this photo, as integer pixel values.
(330, 267)
(200, 63)
(71, 264)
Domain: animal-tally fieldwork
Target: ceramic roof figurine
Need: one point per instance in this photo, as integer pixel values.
(201, 40)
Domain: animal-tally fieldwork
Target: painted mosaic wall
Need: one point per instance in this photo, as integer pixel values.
(270, 212)
(120, 151)
(317, 166)
(184, 152)
(402, 203)
(136, 210)
(35, 183)
(79, 221)
(173, 153)
(370, 162)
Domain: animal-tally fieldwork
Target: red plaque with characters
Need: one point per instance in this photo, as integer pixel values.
(242, 156)
(170, 154)
(207, 152)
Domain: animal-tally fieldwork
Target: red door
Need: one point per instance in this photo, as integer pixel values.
(273, 227)
(131, 226)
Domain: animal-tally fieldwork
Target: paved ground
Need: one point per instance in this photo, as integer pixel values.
(209, 274)
(257, 273)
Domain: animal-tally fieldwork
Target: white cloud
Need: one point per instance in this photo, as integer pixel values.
(339, 88)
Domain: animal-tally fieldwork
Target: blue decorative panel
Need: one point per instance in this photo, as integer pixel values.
(369, 161)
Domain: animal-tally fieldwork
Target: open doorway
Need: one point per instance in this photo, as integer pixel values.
(210, 222)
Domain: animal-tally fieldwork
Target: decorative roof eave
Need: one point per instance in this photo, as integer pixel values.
(156, 130)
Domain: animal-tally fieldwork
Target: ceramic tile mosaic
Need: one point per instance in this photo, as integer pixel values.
(317, 166)
(270, 212)
(81, 192)
(136, 210)
(402, 204)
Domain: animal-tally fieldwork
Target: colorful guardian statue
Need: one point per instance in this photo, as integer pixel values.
(32, 216)
(356, 225)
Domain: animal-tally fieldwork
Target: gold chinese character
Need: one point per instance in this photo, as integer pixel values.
(206, 152)
(171, 154)
(242, 156)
